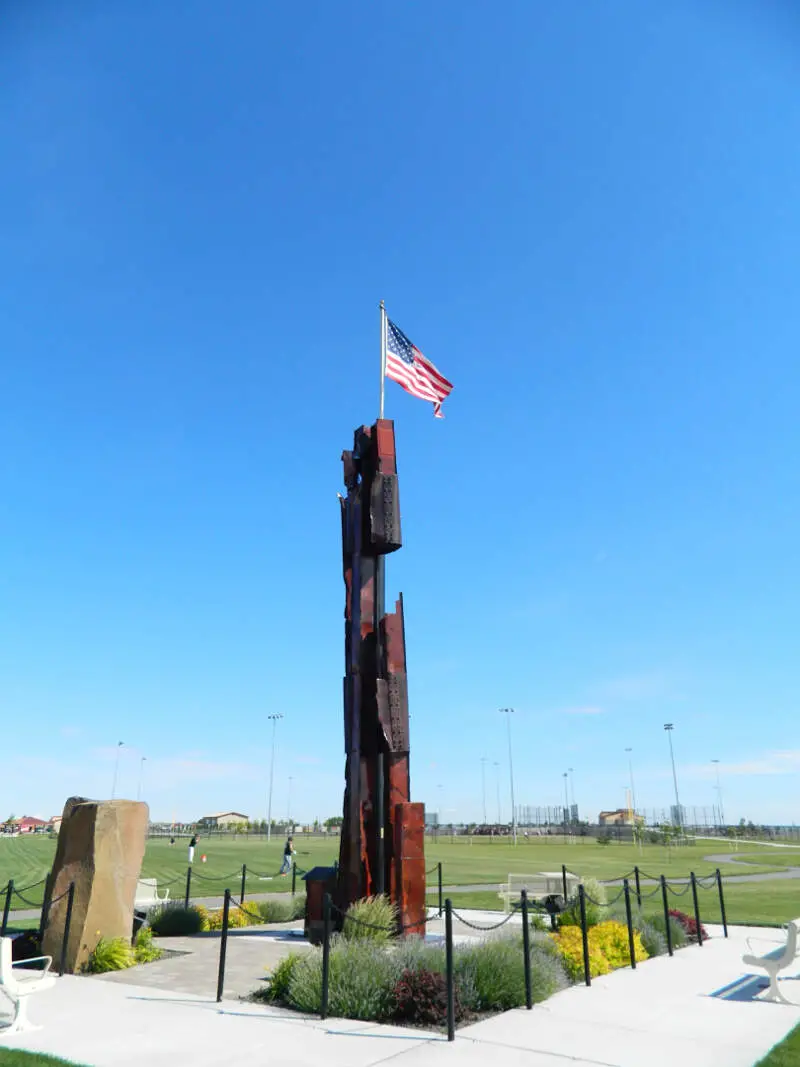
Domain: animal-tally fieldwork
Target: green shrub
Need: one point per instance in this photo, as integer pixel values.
(114, 954)
(278, 988)
(176, 921)
(491, 975)
(276, 911)
(371, 919)
(298, 907)
(595, 913)
(144, 950)
(654, 941)
(361, 980)
(677, 932)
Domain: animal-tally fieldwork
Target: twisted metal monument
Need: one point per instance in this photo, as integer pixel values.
(382, 843)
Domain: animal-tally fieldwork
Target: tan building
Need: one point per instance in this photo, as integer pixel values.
(620, 817)
(225, 818)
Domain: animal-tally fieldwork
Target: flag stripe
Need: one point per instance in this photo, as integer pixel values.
(407, 366)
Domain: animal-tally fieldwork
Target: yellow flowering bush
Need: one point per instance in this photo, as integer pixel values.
(570, 946)
(611, 938)
(608, 948)
(237, 918)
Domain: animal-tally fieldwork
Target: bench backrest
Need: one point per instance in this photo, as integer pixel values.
(7, 979)
(147, 889)
(790, 951)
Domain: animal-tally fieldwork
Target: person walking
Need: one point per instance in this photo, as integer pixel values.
(288, 856)
(192, 847)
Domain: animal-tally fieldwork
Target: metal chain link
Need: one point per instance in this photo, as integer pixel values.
(30, 903)
(474, 926)
(33, 885)
(675, 892)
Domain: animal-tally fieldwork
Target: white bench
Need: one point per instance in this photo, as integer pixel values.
(776, 961)
(541, 884)
(147, 895)
(18, 987)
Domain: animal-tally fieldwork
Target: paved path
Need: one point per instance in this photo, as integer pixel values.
(656, 1016)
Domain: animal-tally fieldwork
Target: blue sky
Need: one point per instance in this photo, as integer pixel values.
(586, 215)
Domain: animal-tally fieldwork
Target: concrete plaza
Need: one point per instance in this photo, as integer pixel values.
(664, 1013)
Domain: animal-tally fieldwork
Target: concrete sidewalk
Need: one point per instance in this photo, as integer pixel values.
(661, 1015)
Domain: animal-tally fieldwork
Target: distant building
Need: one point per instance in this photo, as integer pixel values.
(619, 817)
(55, 823)
(225, 818)
(29, 824)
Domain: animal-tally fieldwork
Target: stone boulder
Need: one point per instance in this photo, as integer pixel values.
(100, 848)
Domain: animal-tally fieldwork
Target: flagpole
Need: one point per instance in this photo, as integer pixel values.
(383, 356)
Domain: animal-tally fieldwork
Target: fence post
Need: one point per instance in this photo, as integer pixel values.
(45, 911)
(244, 882)
(587, 971)
(294, 877)
(441, 900)
(67, 924)
(667, 928)
(326, 954)
(722, 904)
(7, 906)
(526, 948)
(223, 944)
(638, 886)
(448, 945)
(696, 908)
(629, 919)
(188, 886)
(564, 881)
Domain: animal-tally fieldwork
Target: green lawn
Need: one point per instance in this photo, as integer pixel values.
(479, 860)
(12, 1057)
(772, 902)
(787, 1054)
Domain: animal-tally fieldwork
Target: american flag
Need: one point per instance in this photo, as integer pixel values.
(407, 366)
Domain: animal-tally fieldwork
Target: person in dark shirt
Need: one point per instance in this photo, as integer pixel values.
(192, 847)
(288, 856)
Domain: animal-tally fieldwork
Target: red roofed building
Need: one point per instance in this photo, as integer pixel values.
(28, 823)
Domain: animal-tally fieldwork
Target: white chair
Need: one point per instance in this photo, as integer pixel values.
(19, 986)
(776, 961)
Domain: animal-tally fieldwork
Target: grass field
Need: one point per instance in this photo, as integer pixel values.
(786, 1054)
(28, 859)
(757, 903)
(14, 1057)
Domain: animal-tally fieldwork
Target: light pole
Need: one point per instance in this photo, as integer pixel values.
(497, 779)
(142, 762)
(289, 803)
(116, 770)
(274, 719)
(509, 712)
(571, 792)
(719, 794)
(633, 787)
(483, 784)
(678, 819)
(565, 776)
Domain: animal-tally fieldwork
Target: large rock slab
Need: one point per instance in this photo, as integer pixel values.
(100, 848)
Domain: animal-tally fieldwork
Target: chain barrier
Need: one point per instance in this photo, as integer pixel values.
(33, 885)
(217, 877)
(24, 899)
(675, 892)
(612, 881)
(652, 893)
(603, 903)
(486, 929)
